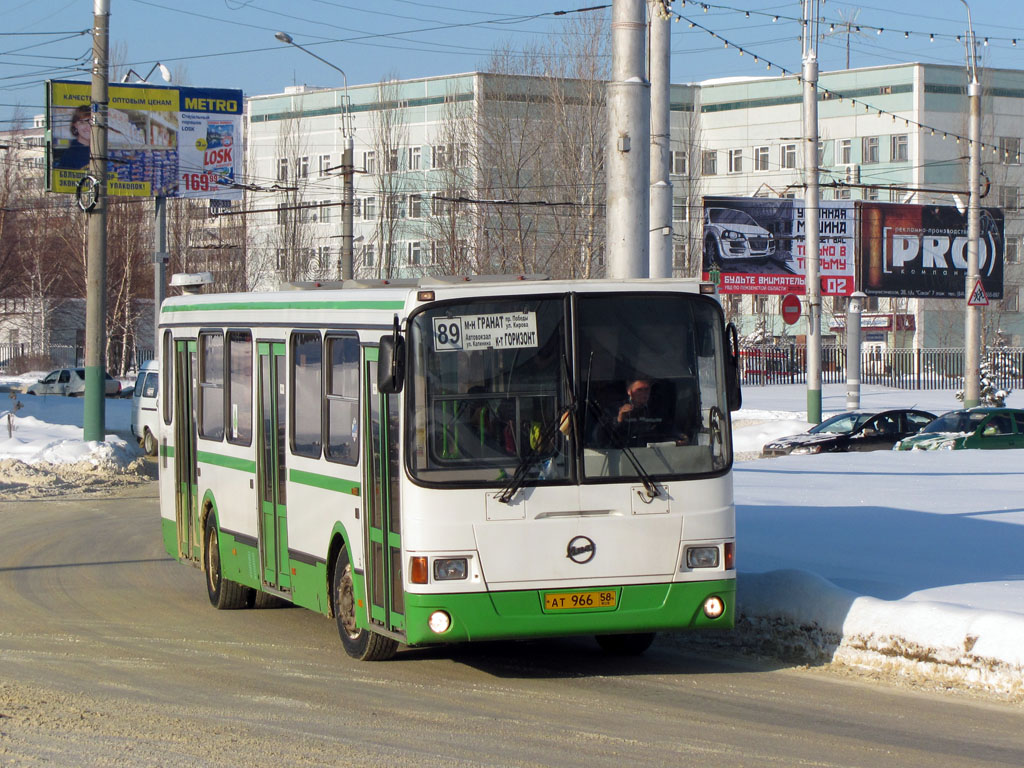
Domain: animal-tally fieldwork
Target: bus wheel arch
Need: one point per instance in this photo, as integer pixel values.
(361, 644)
(224, 593)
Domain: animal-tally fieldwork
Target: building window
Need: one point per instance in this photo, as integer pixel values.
(1012, 301)
(394, 209)
(900, 148)
(843, 193)
(307, 358)
(438, 204)
(282, 259)
(787, 156)
(760, 158)
(1012, 252)
(735, 161)
(679, 164)
(282, 213)
(323, 164)
(370, 255)
(282, 169)
(709, 163)
(1009, 150)
(392, 161)
(733, 304)
(869, 149)
(896, 194)
(845, 151)
(414, 158)
(415, 206)
(325, 210)
(821, 154)
(370, 208)
(1008, 198)
(678, 209)
(323, 259)
(303, 168)
(871, 193)
(416, 254)
(441, 156)
(760, 304)
(370, 162)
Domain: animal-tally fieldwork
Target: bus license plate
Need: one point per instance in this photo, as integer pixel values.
(557, 601)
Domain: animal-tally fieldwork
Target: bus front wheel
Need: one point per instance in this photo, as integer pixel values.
(224, 593)
(359, 643)
(626, 645)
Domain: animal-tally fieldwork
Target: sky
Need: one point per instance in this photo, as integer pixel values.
(907, 562)
(231, 44)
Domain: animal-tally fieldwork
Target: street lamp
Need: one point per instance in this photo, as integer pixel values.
(972, 314)
(347, 161)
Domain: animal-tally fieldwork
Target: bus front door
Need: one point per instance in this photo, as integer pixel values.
(381, 498)
(185, 477)
(271, 465)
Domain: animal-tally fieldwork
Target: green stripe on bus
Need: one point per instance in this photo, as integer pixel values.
(505, 615)
(326, 482)
(167, 451)
(222, 306)
(229, 462)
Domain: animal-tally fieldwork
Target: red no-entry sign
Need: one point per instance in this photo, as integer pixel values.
(790, 308)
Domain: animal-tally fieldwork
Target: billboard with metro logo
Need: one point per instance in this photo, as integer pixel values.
(169, 141)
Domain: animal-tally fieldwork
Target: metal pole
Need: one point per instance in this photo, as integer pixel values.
(660, 56)
(94, 417)
(347, 162)
(972, 316)
(811, 206)
(629, 128)
(159, 266)
(853, 314)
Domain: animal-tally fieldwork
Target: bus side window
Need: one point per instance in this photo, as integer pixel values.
(307, 396)
(341, 392)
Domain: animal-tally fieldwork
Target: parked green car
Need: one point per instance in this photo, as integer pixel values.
(975, 428)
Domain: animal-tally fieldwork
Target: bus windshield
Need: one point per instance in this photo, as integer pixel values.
(499, 387)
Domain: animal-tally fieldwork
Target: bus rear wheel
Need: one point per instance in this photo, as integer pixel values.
(224, 593)
(625, 645)
(361, 644)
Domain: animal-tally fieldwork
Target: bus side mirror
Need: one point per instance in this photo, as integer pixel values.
(391, 364)
(733, 394)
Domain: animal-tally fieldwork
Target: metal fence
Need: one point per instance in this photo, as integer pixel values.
(933, 368)
(56, 356)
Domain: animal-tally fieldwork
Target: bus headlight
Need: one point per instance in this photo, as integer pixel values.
(714, 607)
(702, 557)
(450, 568)
(439, 622)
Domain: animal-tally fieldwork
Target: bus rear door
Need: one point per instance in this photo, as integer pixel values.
(271, 469)
(185, 477)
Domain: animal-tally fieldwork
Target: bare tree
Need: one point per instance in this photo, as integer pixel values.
(390, 135)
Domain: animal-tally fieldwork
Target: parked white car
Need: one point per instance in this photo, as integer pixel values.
(145, 416)
(70, 382)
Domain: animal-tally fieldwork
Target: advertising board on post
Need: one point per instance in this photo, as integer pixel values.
(759, 245)
(164, 141)
(920, 251)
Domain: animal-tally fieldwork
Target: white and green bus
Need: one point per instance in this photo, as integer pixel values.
(445, 461)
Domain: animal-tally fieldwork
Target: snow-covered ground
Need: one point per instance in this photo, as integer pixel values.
(908, 562)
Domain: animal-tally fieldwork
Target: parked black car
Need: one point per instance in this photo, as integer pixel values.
(853, 431)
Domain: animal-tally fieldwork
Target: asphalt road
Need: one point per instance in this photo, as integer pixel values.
(111, 655)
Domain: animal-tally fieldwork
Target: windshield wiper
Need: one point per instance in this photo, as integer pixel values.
(649, 485)
(531, 457)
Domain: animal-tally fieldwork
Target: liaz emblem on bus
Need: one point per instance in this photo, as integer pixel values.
(504, 330)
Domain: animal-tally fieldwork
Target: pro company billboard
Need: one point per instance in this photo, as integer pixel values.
(162, 140)
(758, 245)
(920, 251)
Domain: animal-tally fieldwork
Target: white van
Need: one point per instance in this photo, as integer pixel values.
(145, 416)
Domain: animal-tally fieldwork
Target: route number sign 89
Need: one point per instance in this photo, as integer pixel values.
(447, 333)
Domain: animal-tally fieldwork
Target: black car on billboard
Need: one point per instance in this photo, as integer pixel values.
(852, 431)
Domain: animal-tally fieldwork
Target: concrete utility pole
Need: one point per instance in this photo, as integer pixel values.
(660, 57)
(811, 205)
(94, 418)
(853, 315)
(160, 257)
(348, 169)
(972, 316)
(629, 129)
